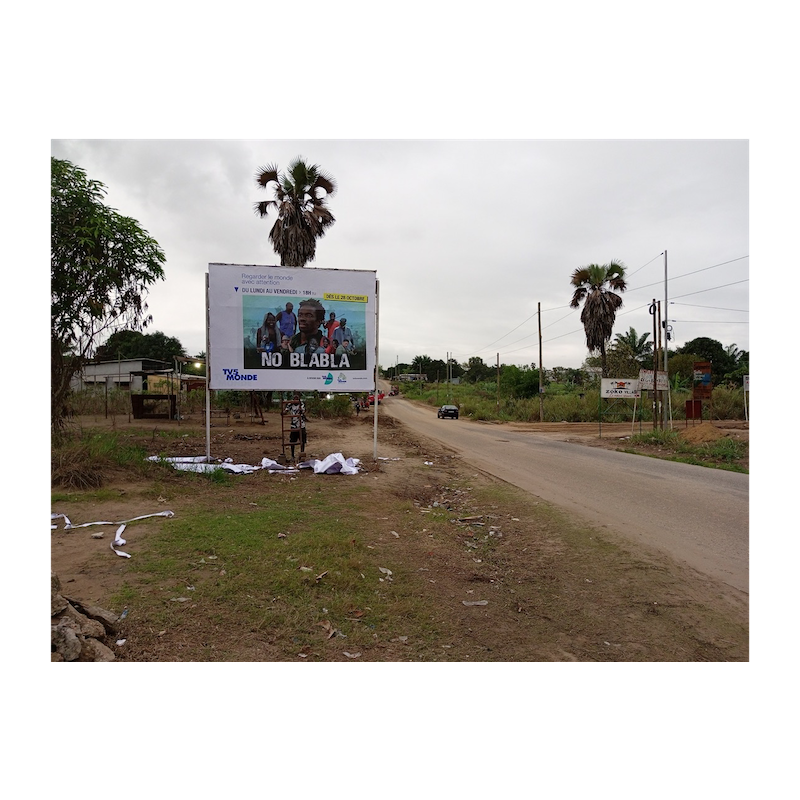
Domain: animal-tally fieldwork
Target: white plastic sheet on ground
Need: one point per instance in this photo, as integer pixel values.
(118, 540)
(335, 463)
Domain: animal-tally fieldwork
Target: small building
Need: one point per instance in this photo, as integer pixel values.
(133, 374)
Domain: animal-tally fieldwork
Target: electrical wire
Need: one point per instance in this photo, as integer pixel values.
(715, 308)
(629, 311)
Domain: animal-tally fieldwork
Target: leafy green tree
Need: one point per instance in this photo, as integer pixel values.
(436, 371)
(420, 365)
(477, 370)
(636, 346)
(303, 216)
(135, 344)
(565, 375)
(101, 267)
(519, 382)
(711, 350)
(456, 370)
(596, 285)
(629, 353)
(681, 368)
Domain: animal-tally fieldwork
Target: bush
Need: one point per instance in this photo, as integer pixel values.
(94, 402)
(339, 406)
(727, 402)
(85, 460)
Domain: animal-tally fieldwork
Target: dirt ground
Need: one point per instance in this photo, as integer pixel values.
(631, 605)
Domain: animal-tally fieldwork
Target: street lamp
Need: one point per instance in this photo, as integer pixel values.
(196, 363)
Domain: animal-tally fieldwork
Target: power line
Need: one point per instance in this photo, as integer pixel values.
(629, 311)
(687, 274)
(555, 308)
(724, 285)
(630, 275)
(715, 308)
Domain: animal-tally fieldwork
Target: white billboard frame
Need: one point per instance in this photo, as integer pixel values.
(646, 380)
(241, 296)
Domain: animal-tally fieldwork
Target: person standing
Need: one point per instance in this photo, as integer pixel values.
(287, 321)
(268, 337)
(331, 325)
(295, 409)
(342, 332)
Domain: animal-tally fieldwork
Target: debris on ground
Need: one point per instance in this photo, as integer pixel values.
(333, 464)
(78, 630)
(118, 540)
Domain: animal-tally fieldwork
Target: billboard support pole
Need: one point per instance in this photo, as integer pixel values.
(375, 390)
(208, 379)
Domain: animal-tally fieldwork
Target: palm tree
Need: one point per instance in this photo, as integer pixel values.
(638, 346)
(596, 285)
(301, 197)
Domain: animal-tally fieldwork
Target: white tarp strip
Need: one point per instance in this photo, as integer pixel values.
(335, 463)
(118, 540)
(69, 526)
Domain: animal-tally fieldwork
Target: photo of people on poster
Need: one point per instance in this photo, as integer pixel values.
(311, 346)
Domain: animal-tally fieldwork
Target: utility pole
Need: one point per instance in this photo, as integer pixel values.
(659, 394)
(666, 337)
(655, 364)
(541, 368)
(498, 383)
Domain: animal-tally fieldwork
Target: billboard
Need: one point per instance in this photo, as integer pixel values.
(291, 328)
(619, 387)
(701, 380)
(646, 380)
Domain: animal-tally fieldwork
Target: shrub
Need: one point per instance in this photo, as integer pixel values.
(85, 460)
(727, 402)
(339, 406)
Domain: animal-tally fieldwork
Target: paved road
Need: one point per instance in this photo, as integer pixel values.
(696, 515)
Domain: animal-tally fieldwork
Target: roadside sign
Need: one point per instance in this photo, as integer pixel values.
(619, 387)
(701, 380)
(646, 380)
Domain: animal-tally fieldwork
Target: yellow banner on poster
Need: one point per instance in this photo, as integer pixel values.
(346, 298)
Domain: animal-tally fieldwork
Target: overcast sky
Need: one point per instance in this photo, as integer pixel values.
(467, 236)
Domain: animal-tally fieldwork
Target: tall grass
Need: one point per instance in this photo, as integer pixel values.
(481, 401)
(117, 402)
(723, 452)
(84, 460)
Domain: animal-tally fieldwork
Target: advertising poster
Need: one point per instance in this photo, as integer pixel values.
(701, 380)
(619, 387)
(646, 380)
(291, 328)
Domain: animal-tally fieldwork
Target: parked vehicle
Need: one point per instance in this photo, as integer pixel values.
(448, 411)
(381, 395)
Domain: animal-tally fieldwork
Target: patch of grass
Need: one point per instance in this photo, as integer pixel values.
(665, 438)
(86, 461)
(723, 453)
(283, 588)
(92, 496)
